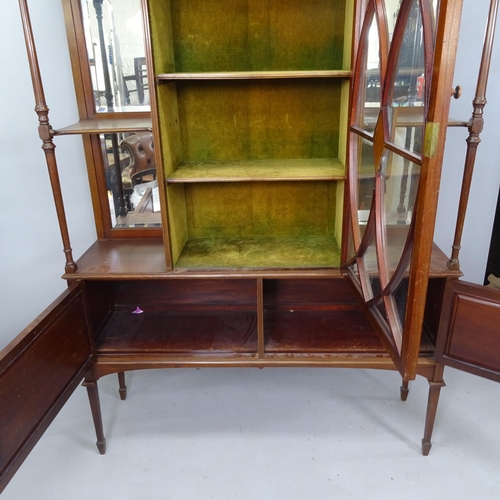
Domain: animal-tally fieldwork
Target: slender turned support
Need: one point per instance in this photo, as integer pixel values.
(475, 129)
(404, 390)
(45, 133)
(93, 393)
(432, 403)
(123, 388)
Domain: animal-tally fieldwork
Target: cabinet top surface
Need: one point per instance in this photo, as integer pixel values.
(145, 259)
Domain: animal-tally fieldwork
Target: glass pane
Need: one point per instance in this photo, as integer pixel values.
(393, 320)
(351, 251)
(381, 309)
(392, 11)
(115, 46)
(433, 6)
(401, 182)
(371, 268)
(407, 128)
(376, 286)
(354, 270)
(131, 184)
(366, 177)
(401, 298)
(409, 82)
(354, 273)
(370, 85)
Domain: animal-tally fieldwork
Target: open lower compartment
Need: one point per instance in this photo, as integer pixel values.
(176, 317)
(316, 316)
(210, 319)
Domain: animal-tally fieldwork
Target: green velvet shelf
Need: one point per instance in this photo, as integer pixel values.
(324, 169)
(259, 252)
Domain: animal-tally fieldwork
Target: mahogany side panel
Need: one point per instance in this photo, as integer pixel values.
(469, 331)
(39, 370)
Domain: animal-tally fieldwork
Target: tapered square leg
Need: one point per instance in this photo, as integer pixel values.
(95, 405)
(404, 390)
(435, 385)
(123, 388)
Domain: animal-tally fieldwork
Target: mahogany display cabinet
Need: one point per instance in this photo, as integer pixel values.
(286, 216)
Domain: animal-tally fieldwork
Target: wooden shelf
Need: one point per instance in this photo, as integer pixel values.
(231, 333)
(259, 252)
(252, 75)
(225, 333)
(335, 331)
(118, 259)
(328, 331)
(316, 169)
(105, 126)
(176, 332)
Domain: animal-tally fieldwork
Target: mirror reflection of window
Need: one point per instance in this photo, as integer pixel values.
(115, 45)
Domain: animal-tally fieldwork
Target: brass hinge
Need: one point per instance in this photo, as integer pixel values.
(431, 139)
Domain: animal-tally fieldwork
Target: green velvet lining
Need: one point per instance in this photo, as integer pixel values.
(263, 252)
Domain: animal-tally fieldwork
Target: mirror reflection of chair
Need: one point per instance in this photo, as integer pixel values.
(126, 89)
(142, 167)
(141, 79)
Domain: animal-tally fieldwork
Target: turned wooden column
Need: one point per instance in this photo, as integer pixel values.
(45, 133)
(475, 129)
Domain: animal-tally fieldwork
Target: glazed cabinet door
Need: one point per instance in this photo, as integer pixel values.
(400, 101)
(39, 370)
(469, 329)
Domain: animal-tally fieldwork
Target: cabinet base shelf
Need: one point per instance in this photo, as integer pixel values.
(222, 332)
(173, 333)
(259, 252)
